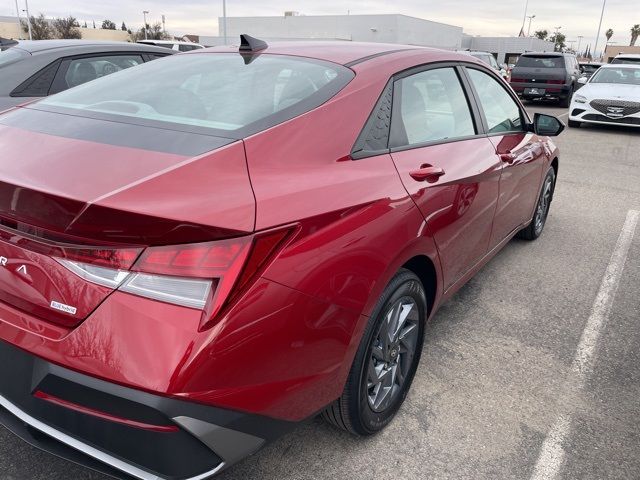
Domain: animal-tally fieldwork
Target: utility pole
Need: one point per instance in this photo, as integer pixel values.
(530, 17)
(144, 14)
(224, 20)
(595, 49)
(26, 4)
(164, 28)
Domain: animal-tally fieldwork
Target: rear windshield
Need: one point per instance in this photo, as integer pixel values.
(219, 92)
(10, 55)
(627, 60)
(540, 61)
(620, 75)
(587, 68)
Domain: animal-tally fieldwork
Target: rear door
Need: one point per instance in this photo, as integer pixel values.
(446, 163)
(521, 152)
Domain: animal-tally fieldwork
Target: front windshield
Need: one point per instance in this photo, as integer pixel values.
(210, 90)
(626, 76)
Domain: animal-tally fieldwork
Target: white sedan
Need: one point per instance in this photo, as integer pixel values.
(610, 96)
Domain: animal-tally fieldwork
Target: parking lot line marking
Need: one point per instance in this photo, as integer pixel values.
(563, 115)
(552, 452)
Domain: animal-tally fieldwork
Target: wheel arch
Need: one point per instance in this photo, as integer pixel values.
(425, 269)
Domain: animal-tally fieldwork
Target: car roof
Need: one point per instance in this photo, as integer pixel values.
(166, 42)
(628, 55)
(546, 54)
(36, 46)
(621, 65)
(341, 52)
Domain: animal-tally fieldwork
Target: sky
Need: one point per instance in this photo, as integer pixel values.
(477, 17)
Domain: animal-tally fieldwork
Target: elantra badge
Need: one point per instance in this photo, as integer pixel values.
(21, 269)
(63, 308)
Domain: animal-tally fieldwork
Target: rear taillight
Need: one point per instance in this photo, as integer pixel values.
(518, 80)
(555, 82)
(205, 276)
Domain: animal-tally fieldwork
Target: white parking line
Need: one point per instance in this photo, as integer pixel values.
(552, 452)
(563, 115)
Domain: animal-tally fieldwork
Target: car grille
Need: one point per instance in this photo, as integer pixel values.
(628, 108)
(603, 118)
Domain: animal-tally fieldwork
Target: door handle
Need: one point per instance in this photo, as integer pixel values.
(427, 172)
(507, 157)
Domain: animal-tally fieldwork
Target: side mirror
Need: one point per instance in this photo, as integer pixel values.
(547, 125)
(582, 80)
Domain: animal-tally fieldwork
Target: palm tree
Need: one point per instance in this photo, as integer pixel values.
(608, 34)
(635, 32)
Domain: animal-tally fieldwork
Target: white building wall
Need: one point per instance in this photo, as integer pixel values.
(502, 46)
(357, 28)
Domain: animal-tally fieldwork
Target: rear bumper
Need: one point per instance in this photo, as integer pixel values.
(135, 434)
(551, 91)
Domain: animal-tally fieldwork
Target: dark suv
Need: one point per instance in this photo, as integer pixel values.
(546, 76)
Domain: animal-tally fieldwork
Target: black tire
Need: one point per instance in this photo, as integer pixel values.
(354, 411)
(534, 229)
(574, 124)
(566, 101)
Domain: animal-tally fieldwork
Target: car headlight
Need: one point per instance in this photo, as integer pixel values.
(579, 98)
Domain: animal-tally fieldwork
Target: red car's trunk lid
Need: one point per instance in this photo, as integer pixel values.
(77, 183)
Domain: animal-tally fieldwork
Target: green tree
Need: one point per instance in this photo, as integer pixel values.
(608, 34)
(559, 40)
(67, 28)
(635, 32)
(108, 25)
(40, 27)
(541, 34)
(154, 32)
(123, 27)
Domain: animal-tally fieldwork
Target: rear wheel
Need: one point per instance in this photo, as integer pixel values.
(534, 229)
(386, 360)
(566, 101)
(574, 124)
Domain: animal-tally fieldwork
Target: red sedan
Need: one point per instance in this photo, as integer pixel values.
(202, 251)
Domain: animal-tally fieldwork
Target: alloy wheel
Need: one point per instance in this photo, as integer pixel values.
(543, 204)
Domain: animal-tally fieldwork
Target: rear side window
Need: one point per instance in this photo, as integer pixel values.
(430, 106)
(224, 92)
(83, 70)
(632, 61)
(541, 61)
(500, 109)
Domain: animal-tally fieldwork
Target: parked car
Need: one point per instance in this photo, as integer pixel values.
(632, 58)
(589, 68)
(490, 60)
(610, 96)
(173, 45)
(39, 68)
(201, 252)
(546, 76)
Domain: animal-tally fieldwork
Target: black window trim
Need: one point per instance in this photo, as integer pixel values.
(18, 91)
(59, 84)
(524, 116)
(476, 113)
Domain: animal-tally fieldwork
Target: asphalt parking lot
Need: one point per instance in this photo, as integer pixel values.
(504, 390)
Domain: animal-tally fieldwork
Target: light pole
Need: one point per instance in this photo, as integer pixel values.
(524, 19)
(144, 14)
(530, 17)
(164, 27)
(224, 20)
(595, 49)
(19, 21)
(580, 37)
(26, 4)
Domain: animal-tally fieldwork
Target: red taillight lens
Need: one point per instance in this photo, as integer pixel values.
(518, 80)
(200, 260)
(555, 82)
(120, 259)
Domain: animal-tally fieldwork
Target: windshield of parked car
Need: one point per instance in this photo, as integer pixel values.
(540, 61)
(225, 92)
(627, 76)
(627, 60)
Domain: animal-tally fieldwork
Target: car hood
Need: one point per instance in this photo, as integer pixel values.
(118, 182)
(608, 91)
